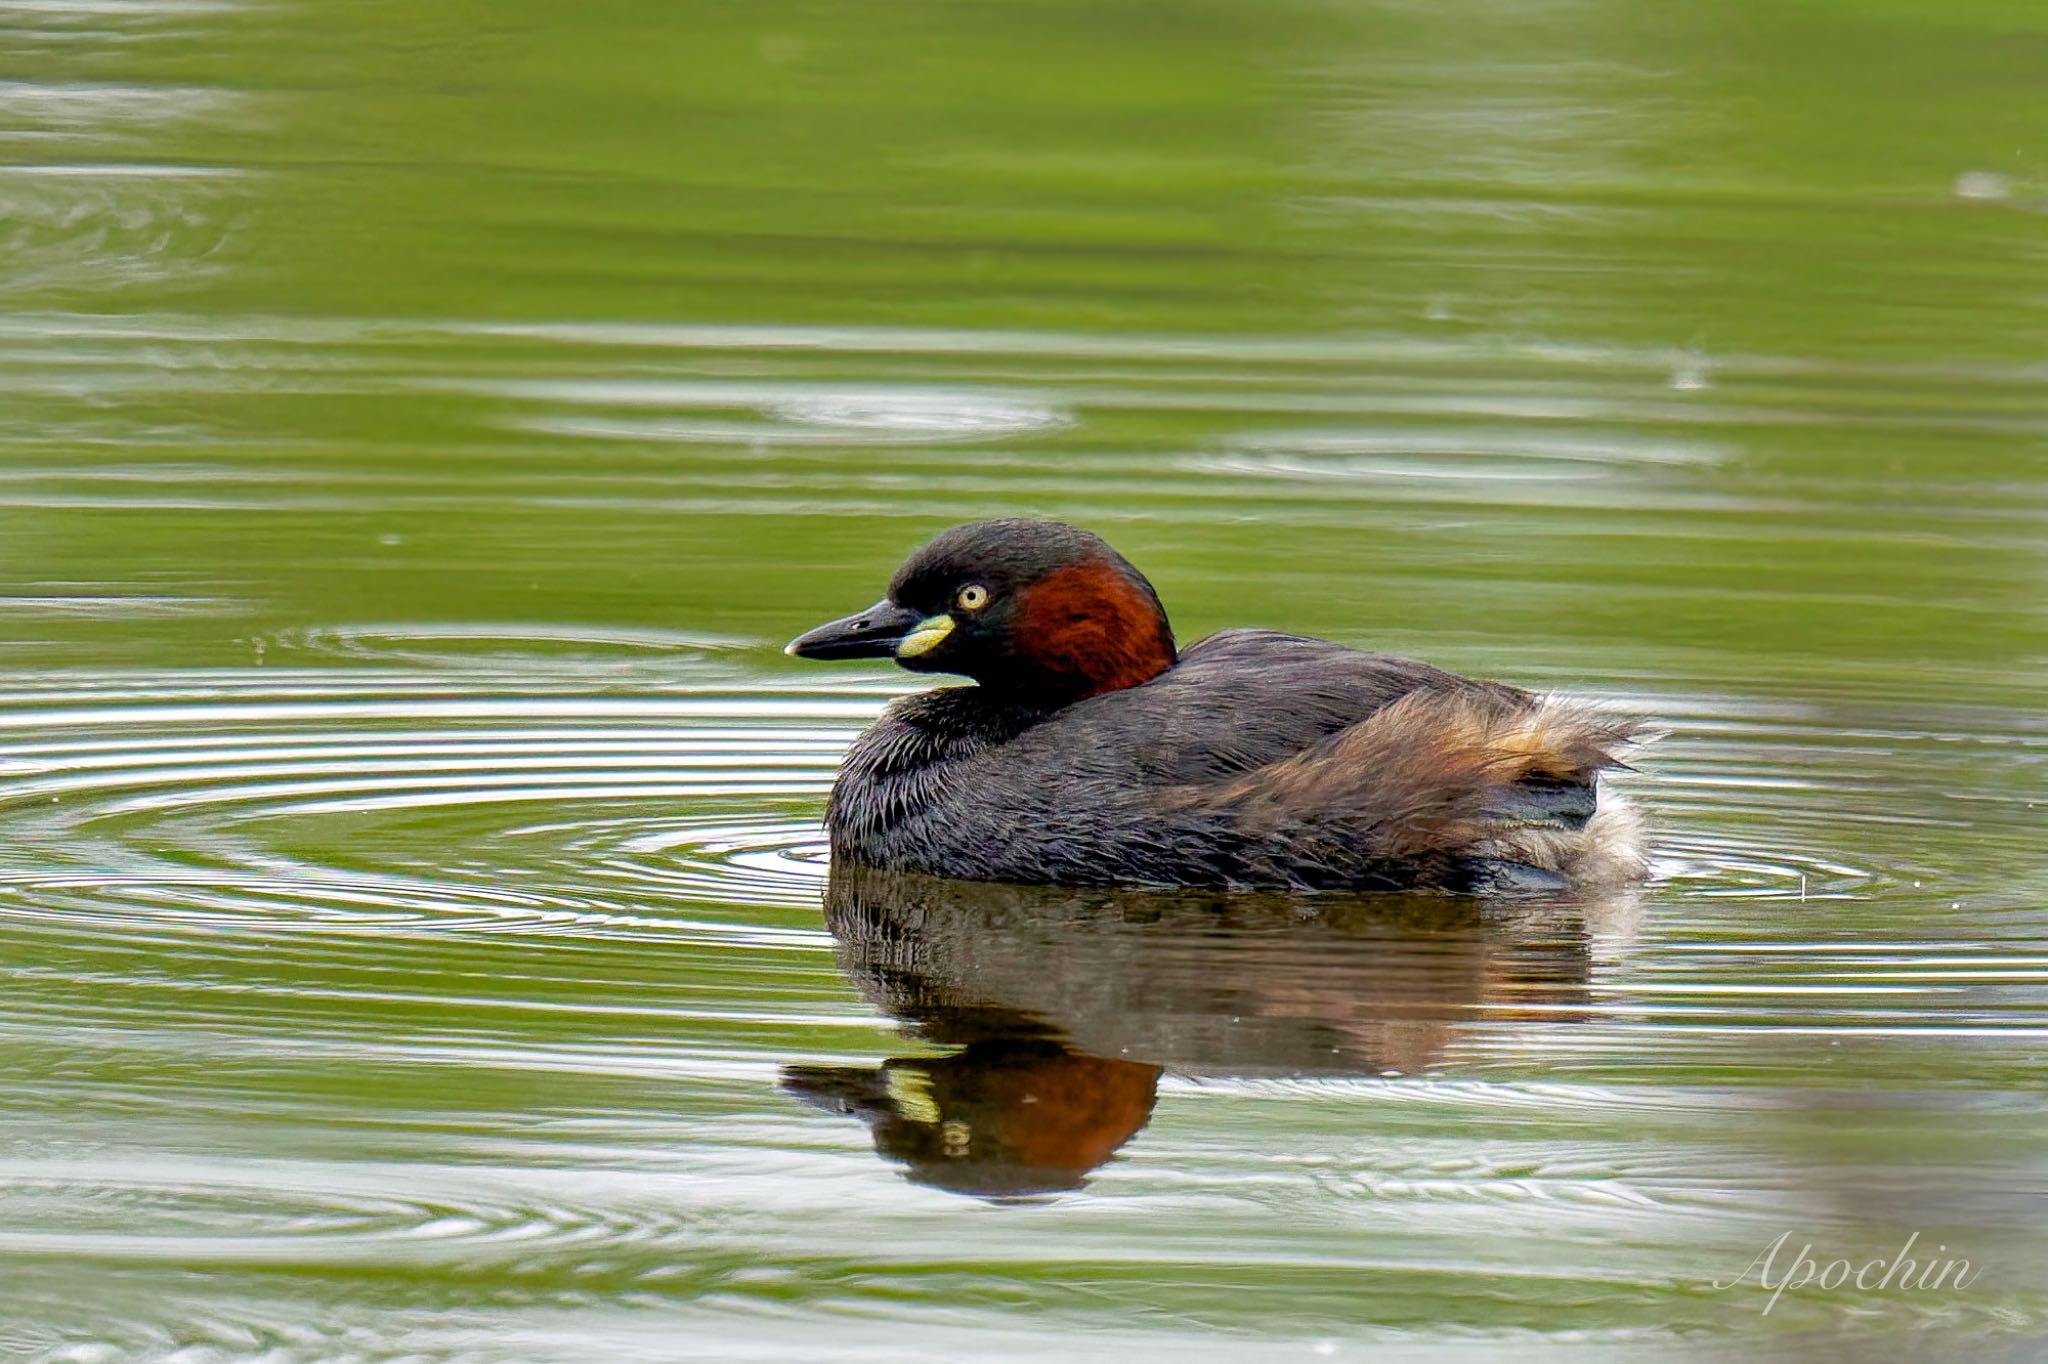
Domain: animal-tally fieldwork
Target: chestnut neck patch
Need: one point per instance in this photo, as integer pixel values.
(1087, 629)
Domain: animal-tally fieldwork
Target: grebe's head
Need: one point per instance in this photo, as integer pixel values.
(1036, 611)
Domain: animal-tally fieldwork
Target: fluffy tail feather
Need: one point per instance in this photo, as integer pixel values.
(1455, 779)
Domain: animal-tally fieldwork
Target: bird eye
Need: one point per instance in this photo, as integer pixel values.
(973, 597)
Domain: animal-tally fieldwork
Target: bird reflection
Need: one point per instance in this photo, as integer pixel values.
(1063, 1007)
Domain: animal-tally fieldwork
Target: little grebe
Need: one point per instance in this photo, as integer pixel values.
(1094, 753)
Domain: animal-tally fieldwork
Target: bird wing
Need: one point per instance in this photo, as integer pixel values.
(1269, 716)
(1242, 699)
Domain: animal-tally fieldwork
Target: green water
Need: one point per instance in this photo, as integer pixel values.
(423, 425)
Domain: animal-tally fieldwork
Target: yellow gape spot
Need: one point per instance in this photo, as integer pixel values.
(930, 632)
(912, 1091)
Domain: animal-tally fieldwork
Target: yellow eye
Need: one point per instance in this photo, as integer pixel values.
(972, 597)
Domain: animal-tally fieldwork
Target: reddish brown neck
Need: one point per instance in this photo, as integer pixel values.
(1088, 629)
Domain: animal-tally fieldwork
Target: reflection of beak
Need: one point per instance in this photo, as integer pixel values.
(884, 630)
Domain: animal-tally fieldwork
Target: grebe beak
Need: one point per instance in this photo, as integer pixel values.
(881, 631)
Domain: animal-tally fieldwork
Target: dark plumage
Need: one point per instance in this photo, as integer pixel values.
(1092, 753)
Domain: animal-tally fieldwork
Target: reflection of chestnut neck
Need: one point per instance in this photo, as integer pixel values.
(1001, 1118)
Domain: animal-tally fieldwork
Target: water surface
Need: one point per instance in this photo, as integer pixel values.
(422, 431)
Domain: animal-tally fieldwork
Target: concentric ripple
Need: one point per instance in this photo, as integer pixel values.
(335, 801)
(439, 791)
(551, 911)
